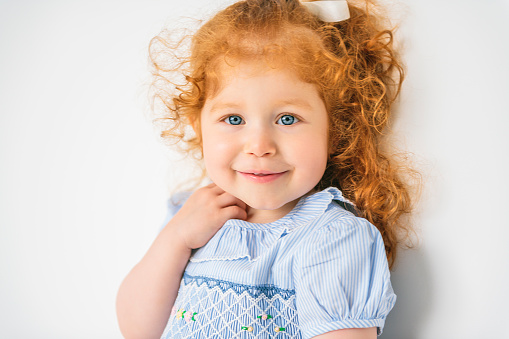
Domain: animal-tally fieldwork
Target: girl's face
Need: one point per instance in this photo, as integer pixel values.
(265, 138)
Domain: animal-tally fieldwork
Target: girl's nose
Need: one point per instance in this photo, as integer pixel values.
(260, 143)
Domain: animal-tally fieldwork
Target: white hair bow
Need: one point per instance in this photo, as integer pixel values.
(328, 10)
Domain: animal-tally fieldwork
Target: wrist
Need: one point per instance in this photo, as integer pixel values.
(175, 239)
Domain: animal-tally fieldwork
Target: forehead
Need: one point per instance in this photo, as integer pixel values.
(256, 85)
(231, 74)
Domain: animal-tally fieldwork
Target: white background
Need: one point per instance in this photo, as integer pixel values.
(84, 179)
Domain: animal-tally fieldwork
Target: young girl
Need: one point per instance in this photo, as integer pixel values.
(293, 239)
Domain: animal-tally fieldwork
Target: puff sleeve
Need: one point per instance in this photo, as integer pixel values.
(343, 279)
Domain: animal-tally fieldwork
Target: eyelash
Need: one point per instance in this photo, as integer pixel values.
(294, 121)
(228, 121)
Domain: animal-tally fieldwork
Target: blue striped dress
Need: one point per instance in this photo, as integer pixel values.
(318, 269)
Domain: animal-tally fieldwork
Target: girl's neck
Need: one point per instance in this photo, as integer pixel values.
(265, 216)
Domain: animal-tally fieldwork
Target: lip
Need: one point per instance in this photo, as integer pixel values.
(261, 176)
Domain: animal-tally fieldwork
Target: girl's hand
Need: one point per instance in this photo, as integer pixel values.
(204, 213)
(148, 292)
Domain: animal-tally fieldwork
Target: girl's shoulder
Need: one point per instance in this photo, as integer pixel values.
(340, 227)
(332, 213)
(341, 222)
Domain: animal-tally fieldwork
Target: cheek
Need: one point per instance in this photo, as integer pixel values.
(316, 161)
(312, 152)
(216, 145)
(217, 151)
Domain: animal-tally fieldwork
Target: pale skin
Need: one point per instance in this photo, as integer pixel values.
(147, 294)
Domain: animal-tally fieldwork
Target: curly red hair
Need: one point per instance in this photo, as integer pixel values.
(353, 64)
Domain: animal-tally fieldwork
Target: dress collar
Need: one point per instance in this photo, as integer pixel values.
(308, 208)
(241, 239)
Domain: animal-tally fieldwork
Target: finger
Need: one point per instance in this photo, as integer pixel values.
(226, 199)
(209, 192)
(213, 188)
(233, 212)
(241, 204)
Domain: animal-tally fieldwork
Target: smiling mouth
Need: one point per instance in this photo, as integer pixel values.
(262, 177)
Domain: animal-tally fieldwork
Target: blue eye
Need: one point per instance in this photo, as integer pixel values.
(287, 120)
(233, 120)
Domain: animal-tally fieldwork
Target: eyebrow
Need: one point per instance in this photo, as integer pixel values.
(223, 105)
(296, 102)
(291, 102)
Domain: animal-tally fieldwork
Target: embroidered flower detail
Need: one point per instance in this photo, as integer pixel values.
(279, 329)
(173, 311)
(247, 328)
(179, 314)
(188, 316)
(264, 316)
